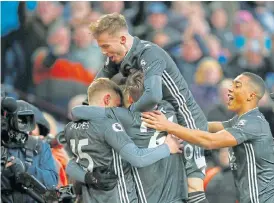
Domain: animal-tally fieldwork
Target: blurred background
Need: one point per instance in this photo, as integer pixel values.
(48, 56)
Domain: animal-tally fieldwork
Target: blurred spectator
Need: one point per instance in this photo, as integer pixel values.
(161, 38)
(157, 20)
(47, 15)
(107, 7)
(198, 9)
(219, 111)
(220, 183)
(262, 11)
(53, 69)
(270, 81)
(190, 56)
(75, 101)
(252, 60)
(219, 23)
(204, 90)
(242, 22)
(266, 18)
(266, 106)
(79, 12)
(178, 15)
(197, 25)
(85, 50)
(215, 49)
(59, 40)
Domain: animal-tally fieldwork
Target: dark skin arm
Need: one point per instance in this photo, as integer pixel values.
(204, 139)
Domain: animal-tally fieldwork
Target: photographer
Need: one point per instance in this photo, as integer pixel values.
(22, 153)
(44, 130)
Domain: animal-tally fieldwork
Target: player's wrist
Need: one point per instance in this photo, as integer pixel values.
(169, 126)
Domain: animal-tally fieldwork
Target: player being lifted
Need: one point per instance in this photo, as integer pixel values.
(165, 180)
(248, 134)
(96, 142)
(163, 80)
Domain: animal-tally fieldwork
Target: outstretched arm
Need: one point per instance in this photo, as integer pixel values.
(117, 138)
(207, 140)
(215, 126)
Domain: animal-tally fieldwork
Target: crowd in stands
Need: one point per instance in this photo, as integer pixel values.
(49, 57)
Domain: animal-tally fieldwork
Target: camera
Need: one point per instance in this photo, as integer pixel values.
(17, 121)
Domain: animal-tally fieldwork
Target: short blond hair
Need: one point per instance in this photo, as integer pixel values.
(204, 65)
(103, 84)
(110, 23)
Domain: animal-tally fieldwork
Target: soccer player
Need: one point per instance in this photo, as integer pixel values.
(165, 180)
(248, 133)
(163, 80)
(95, 141)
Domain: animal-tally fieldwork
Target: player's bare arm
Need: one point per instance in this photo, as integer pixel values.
(207, 140)
(215, 126)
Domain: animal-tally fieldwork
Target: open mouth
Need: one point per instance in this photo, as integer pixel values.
(230, 98)
(111, 58)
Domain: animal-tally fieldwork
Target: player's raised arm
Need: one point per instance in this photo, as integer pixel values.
(117, 138)
(207, 140)
(153, 66)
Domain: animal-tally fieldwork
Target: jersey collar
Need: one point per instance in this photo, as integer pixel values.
(249, 112)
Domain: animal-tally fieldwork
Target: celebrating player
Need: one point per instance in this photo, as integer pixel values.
(162, 81)
(248, 133)
(96, 142)
(163, 181)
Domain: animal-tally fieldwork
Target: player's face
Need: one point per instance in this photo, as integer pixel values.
(113, 46)
(238, 94)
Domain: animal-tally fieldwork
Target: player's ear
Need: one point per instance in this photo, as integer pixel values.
(107, 99)
(251, 97)
(123, 39)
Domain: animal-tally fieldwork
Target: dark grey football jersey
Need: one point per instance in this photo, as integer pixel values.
(252, 160)
(88, 141)
(165, 180)
(153, 60)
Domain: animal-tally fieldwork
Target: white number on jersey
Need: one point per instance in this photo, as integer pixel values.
(81, 155)
(154, 140)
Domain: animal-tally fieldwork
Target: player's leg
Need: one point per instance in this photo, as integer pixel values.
(195, 169)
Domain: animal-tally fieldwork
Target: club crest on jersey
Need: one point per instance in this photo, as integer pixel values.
(241, 123)
(117, 127)
(143, 63)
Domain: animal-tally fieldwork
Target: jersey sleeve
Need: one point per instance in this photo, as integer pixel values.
(83, 112)
(121, 114)
(151, 62)
(152, 95)
(230, 122)
(245, 130)
(109, 70)
(115, 135)
(117, 138)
